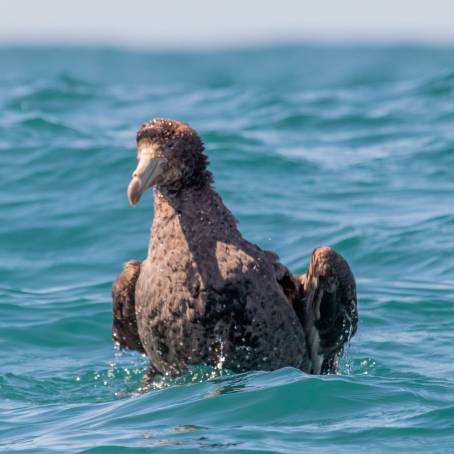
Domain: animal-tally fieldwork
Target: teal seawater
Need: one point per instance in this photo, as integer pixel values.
(350, 147)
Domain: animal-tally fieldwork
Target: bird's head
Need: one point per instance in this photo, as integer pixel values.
(171, 156)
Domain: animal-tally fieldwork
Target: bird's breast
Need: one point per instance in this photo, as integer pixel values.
(189, 303)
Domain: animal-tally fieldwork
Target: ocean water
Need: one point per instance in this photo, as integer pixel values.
(349, 147)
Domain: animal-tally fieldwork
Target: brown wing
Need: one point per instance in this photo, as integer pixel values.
(124, 325)
(324, 299)
(328, 308)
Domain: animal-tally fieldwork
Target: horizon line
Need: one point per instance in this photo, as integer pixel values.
(257, 44)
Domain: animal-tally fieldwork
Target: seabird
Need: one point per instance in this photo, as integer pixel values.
(204, 294)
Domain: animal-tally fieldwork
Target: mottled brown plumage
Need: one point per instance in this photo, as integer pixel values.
(124, 325)
(206, 295)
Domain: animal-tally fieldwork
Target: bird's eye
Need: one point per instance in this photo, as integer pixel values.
(171, 144)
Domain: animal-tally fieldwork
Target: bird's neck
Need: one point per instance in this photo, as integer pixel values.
(193, 209)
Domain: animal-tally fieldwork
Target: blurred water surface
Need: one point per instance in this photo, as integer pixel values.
(350, 147)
